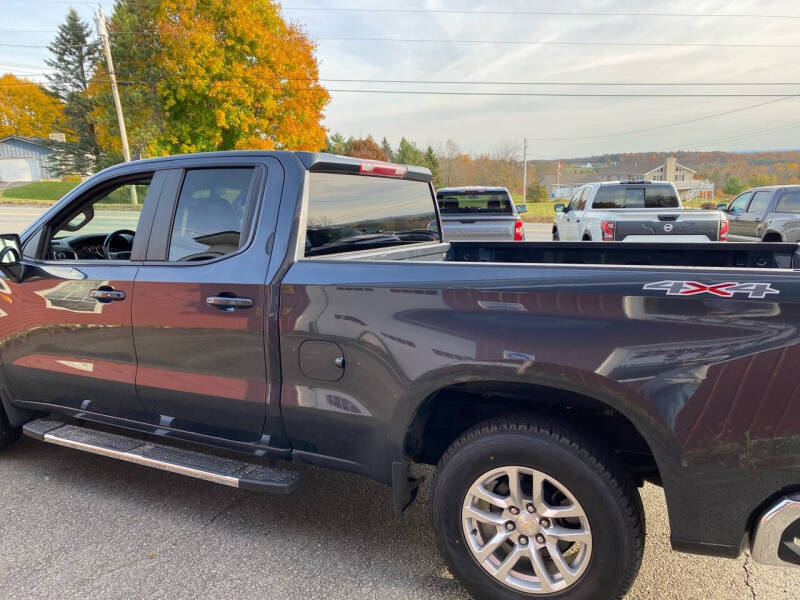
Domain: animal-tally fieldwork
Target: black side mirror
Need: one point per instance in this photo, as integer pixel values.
(559, 207)
(11, 255)
(722, 206)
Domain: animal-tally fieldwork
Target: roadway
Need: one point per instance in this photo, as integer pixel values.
(14, 219)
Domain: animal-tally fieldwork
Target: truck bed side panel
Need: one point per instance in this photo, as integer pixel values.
(709, 379)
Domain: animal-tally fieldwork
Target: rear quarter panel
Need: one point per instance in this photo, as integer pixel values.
(709, 380)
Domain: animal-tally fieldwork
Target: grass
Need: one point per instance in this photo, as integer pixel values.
(43, 191)
(47, 193)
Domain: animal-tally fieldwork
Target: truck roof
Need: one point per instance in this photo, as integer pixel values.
(472, 188)
(312, 161)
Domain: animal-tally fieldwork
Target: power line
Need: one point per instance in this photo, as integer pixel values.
(554, 43)
(654, 128)
(492, 42)
(223, 84)
(558, 13)
(746, 136)
(525, 83)
(555, 13)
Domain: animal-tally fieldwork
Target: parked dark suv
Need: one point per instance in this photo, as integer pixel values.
(765, 214)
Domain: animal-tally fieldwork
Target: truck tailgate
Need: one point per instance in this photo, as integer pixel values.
(688, 225)
(478, 227)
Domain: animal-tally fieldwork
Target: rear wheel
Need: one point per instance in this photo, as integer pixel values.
(555, 234)
(8, 434)
(525, 509)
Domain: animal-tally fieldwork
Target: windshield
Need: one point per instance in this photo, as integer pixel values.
(624, 196)
(356, 212)
(484, 203)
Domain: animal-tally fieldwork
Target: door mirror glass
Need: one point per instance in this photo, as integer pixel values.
(559, 208)
(10, 248)
(522, 208)
(10, 256)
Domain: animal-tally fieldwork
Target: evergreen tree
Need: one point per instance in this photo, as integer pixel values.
(73, 60)
(387, 149)
(431, 161)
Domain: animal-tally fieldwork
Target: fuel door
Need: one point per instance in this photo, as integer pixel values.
(323, 361)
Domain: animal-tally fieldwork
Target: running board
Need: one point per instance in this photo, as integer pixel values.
(226, 471)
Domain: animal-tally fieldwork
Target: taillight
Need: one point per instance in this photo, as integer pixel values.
(607, 227)
(519, 232)
(723, 230)
(376, 167)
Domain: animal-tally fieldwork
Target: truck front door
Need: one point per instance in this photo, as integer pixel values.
(749, 222)
(199, 315)
(65, 327)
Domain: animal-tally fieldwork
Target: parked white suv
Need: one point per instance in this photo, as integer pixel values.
(635, 211)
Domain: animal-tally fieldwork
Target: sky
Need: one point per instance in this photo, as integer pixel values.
(555, 126)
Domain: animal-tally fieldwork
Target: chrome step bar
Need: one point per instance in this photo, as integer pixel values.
(225, 471)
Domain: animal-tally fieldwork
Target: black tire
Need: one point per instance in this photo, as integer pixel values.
(605, 490)
(556, 237)
(8, 434)
(587, 237)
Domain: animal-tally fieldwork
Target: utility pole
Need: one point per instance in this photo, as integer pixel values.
(524, 170)
(103, 33)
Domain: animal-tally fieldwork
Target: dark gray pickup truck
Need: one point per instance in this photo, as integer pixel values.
(278, 305)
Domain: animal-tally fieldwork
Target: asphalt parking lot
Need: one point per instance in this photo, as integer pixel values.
(79, 526)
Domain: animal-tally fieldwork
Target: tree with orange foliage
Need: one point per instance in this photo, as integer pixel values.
(26, 109)
(236, 75)
(203, 75)
(365, 148)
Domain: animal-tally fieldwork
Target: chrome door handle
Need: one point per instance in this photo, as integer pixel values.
(107, 295)
(229, 303)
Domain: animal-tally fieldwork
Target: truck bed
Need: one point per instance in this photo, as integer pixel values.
(704, 254)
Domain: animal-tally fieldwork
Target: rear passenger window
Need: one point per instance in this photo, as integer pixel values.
(660, 196)
(210, 214)
(355, 212)
(789, 203)
(760, 202)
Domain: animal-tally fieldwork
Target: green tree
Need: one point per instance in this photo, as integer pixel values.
(409, 154)
(733, 187)
(537, 193)
(73, 62)
(336, 144)
(431, 161)
(387, 150)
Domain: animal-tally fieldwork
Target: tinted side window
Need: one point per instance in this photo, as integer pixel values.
(741, 202)
(210, 215)
(354, 212)
(760, 202)
(584, 198)
(660, 196)
(789, 203)
(573, 203)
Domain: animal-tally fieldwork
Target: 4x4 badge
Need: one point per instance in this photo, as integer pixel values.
(726, 290)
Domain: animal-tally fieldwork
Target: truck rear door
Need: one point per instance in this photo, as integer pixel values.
(200, 298)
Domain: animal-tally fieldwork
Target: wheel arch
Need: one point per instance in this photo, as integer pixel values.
(641, 437)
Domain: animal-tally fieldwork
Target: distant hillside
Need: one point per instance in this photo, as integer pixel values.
(751, 168)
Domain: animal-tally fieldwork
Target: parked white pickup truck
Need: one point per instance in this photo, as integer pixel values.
(635, 211)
